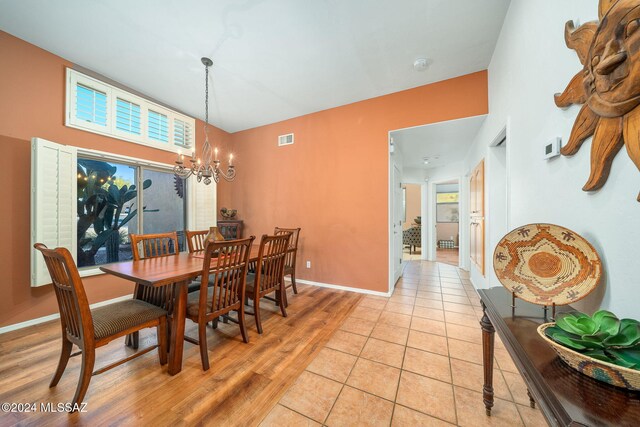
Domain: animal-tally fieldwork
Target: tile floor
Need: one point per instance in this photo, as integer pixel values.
(414, 359)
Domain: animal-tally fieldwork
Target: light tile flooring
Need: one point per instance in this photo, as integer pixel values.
(414, 359)
(411, 255)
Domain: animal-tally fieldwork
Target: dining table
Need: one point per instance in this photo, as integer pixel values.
(173, 270)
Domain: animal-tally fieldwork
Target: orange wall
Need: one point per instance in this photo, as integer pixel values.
(32, 104)
(333, 182)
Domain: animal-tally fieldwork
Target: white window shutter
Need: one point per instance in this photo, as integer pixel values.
(203, 206)
(53, 202)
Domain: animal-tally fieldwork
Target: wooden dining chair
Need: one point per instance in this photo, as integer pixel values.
(222, 289)
(90, 329)
(290, 259)
(268, 277)
(145, 246)
(195, 240)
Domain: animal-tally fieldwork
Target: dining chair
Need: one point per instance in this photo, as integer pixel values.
(268, 277)
(222, 289)
(145, 246)
(195, 240)
(290, 259)
(92, 328)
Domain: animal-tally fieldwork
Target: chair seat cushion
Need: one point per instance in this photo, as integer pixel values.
(193, 302)
(117, 317)
(194, 286)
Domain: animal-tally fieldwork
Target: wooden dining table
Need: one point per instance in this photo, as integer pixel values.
(173, 270)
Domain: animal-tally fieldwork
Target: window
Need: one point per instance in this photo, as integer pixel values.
(89, 201)
(98, 107)
(128, 117)
(158, 126)
(447, 198)
(116, 199)
(91, 105)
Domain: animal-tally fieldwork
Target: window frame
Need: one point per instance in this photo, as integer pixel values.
(74, 78)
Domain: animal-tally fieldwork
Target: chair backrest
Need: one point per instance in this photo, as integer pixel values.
(154, 245)
(227, 276)
(75, 314)
(290, 259)
(270, 265)
(195, 240)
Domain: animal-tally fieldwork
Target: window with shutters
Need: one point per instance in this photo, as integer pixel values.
(98, 107)
(158, 126)
(90, 201)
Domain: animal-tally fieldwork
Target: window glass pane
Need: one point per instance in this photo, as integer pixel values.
(447, 198)
(127, 116)
(164, 202)
(107, 211)
(91, 105)
(158, 126)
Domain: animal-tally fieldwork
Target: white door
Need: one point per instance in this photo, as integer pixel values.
(397, 223)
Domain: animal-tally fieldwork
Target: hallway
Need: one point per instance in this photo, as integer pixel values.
(412, 359)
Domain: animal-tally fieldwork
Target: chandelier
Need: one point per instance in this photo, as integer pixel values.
(206, 167)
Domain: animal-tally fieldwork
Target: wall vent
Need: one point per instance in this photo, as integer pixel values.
(285, 140)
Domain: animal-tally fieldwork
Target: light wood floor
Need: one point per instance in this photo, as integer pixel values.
(447, 256)
(244, 382)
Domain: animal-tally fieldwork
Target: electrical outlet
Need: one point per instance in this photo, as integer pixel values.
(308, 264)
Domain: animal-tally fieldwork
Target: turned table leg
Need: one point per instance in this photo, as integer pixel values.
(488, 336)
(532, 401)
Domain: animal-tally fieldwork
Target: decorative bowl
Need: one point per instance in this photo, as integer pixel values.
(418, 220)
(228, 213)
(615, 375)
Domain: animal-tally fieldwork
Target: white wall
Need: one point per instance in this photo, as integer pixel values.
(529, 65)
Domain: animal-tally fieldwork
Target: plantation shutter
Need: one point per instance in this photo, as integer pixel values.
(204, 204)
(53, 202)
(182, 133)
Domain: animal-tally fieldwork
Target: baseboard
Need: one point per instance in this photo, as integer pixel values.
(43, 319)
(342, 288)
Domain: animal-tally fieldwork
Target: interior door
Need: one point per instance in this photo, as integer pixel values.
(476, 219)
(397, 222)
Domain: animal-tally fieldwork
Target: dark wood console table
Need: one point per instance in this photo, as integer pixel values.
(230, 228)
(565, 396)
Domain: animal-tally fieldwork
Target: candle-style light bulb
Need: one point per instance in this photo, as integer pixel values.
(230, 159)
(216, 152)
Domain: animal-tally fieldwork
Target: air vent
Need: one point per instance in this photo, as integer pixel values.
(285, 140)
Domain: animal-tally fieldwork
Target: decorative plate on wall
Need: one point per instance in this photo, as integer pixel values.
(546, 263)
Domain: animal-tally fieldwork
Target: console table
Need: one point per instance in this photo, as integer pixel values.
(565, 396)
(230, 228)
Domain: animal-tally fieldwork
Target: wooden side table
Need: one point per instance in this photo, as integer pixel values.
(230, 228)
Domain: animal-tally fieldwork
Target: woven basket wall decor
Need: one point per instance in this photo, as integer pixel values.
(546, 264)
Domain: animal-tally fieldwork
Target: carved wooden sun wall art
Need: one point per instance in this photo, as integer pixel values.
(608, 85)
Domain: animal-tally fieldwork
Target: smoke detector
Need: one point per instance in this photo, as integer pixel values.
(421, 64)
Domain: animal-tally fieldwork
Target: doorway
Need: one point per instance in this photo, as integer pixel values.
(447, 222)
(412, 222)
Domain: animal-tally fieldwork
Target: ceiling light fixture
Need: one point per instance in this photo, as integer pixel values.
(205, 168)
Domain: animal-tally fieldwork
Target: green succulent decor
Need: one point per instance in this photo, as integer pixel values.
(602, 336)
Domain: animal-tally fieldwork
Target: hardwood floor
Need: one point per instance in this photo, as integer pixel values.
(447, 256)
(244, 382)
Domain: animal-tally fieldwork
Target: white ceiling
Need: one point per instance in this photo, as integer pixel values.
(273, 59)
(448, 141)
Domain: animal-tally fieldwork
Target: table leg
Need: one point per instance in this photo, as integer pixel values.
(488, 336)
(177, 328)
(532, 401)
